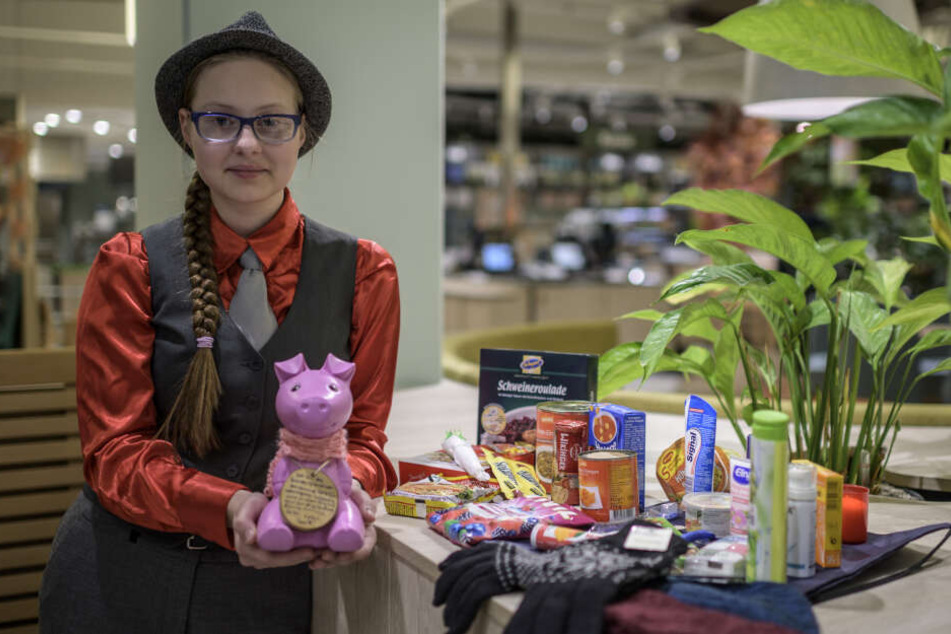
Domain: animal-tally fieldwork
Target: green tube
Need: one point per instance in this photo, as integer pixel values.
(769, 460)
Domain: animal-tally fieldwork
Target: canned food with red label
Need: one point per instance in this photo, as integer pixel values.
(571, 438)
(546, 415)
(607, 483)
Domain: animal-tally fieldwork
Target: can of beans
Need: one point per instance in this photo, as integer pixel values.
(571, 438)
(546, 415)
(607, 483)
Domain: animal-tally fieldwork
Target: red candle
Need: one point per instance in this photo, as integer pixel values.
(854, 514)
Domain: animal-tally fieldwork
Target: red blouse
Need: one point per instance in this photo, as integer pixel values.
(141, 479)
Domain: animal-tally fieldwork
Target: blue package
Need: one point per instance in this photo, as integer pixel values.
(699, 441)
(621, 428)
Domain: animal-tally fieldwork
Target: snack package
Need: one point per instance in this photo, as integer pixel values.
(434, 493)
(724, 558)
(474, 522)
(670, 470)
(515, 478)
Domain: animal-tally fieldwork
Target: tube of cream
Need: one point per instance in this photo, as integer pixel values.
(699, 441)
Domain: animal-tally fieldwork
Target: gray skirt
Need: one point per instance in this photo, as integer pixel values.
(106, 575)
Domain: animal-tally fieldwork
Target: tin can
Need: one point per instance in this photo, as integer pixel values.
(571, 438)
(607, 483)
(546, 415)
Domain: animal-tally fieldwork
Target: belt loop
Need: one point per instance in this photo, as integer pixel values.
(194, 542)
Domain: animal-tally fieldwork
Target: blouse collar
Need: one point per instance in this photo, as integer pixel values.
(267, 242)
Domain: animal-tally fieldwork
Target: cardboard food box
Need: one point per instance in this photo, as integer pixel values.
(828, 516)
(513, 382)
(439, 462)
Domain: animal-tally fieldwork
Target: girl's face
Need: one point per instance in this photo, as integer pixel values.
(246, 176)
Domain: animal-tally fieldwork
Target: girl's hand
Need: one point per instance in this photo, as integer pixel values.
(244, 508)
(328, 558)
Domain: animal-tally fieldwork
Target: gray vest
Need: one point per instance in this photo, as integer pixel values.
(318, 322)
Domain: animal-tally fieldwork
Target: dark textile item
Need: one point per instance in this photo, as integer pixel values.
(317, 322)
(830, 583)
(250, 32)
(653, 612)
(565, 589)
(90, 587)
(777, 603)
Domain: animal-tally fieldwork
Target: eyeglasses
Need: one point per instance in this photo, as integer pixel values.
(218, 127)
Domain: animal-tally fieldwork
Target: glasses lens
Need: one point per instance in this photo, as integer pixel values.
(274, 129)
(218, 127)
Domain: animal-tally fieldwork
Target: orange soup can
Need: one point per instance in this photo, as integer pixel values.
(607, 484)
(546, 415)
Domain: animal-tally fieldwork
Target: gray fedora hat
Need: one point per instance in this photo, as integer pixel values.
(250, 32)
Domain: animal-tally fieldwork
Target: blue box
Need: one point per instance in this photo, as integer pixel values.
(612, 426)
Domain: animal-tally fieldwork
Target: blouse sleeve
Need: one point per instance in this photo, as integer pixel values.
(374, 339)
(135, 476)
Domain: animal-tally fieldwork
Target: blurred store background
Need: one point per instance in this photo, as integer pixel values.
(567, 123)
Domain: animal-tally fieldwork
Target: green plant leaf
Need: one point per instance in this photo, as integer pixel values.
(647, 314)
(923, 239)
(671, 324)
(701, 329)
(915, 315)
(897, 160)
(792, 143)
(742, 205)
(835, 37)
(619, 366)
(720, 253)
(863, 313)
(735, 274)
(801, 253)
(891, 116)
(923, 152)
(786, 288)
(836, 251)
(815, 315)
(933, 339)
(726, 351)
(886, 276)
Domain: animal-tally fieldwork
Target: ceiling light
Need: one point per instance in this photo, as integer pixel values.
(130, 22)
(616, 26)
(773, 90)
(672, 49)
(667, 133)
(801, 126)
(40, 128)
(101, 127)
(616, 66)
(543, 115)
(133, 135)
(52, 119)
(115, 150)
(74, 116)
(579, 124)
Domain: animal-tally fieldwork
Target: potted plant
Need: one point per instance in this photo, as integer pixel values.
(853, 302)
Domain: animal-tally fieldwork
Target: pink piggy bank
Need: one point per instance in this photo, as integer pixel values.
(309, 478)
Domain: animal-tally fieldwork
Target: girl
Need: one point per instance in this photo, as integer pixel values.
(176, 343)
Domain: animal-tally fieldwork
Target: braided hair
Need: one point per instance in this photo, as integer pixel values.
(190, 424)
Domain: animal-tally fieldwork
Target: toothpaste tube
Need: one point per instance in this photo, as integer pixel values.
(699, 441)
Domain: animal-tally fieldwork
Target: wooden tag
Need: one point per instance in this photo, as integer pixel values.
(308, 499)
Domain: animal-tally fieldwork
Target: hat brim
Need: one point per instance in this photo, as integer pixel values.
(171, 78)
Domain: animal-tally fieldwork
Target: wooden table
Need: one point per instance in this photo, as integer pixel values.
(391, 592)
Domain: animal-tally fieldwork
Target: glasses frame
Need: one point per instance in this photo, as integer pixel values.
(246, 121)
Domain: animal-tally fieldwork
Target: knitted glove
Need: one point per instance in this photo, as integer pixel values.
(565, 589)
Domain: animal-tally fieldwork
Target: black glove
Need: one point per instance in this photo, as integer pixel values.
(565, 589)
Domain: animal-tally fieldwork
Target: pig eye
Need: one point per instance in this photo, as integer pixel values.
(334, 388)
(295, 387)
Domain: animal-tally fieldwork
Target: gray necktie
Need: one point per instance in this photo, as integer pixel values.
(250, 309)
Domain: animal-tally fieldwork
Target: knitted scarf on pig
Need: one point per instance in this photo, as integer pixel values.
(305, 449)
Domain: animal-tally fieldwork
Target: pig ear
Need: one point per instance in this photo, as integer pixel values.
(341, 369)
(291, 367)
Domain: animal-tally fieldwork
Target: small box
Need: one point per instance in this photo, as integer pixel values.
(436, 462)
(613, 426)
(828, 516)
(513, 382)
(423, 497)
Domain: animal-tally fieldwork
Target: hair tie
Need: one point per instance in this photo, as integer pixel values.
(206, 342)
